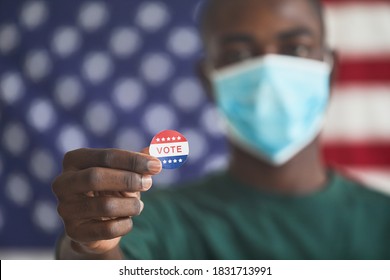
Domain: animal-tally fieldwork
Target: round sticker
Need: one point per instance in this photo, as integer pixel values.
(170, 147)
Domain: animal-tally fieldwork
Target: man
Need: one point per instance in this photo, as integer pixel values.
(268, 69)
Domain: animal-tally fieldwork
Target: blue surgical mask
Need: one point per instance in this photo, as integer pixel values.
(275, 105)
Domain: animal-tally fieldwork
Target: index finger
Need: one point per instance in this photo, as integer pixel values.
(111, 158)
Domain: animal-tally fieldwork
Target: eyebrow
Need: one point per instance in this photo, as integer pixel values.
(289, 34)
(248, 39)
(238, 38)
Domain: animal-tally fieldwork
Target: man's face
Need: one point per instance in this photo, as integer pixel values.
(245, 29)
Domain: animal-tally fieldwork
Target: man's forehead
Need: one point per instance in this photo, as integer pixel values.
(222, 12)
(223, 5)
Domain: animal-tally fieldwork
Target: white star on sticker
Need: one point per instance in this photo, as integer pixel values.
(168, 139)
(170, 161)
(174, 161)
(180, 160)
(158, 139)
(179, 138)
(173, 138)
(163, 139)
(164, 161)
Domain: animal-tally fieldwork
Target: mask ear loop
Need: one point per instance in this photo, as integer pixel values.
(328, 57)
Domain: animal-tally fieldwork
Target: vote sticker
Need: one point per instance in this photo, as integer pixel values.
(170, 147)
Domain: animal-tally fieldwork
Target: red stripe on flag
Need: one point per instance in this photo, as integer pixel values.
(364, 70)
(362, 155)
(353, 1)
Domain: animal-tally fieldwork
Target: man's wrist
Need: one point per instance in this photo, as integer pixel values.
(67, 249)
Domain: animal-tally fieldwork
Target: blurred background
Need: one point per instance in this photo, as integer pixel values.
(98, 73)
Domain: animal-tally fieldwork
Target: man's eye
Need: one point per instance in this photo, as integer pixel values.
(296, 50)
(236, 56)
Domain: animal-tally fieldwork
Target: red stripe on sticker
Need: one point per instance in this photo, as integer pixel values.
(168, 136)
(362, 155)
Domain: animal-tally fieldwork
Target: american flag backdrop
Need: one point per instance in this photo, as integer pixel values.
(357, 135)
(99, 73)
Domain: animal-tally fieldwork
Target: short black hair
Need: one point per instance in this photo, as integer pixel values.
(209, 8)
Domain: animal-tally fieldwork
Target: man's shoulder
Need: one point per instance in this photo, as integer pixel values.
(357, 188)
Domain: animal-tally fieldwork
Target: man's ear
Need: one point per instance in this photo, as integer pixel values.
(203, 73)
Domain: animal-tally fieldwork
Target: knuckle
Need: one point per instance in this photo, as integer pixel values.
(128, 181)
(131, 181)
(59, 184)
(107, 206)
(134, 162)
(125, 226)
(83, 209)
(94, 176)
(109, 230)
(107, 157)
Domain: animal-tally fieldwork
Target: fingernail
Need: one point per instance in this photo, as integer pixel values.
(141, 207)
(154, 166)
(146, 182)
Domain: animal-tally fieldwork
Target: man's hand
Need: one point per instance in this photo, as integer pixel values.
(98, 192)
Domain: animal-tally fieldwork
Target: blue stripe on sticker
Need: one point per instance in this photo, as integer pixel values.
(172, 162)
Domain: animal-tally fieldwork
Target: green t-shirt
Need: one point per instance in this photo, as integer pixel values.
(220, 218)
